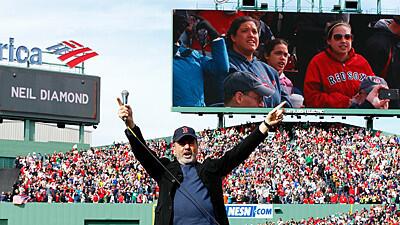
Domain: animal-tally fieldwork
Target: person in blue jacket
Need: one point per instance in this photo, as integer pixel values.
(190, 66)
(243, 41)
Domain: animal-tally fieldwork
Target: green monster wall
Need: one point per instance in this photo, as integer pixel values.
(132, 214)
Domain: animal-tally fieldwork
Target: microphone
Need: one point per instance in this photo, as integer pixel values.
(124, 95)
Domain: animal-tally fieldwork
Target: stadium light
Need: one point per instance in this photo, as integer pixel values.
(352, 5)
(264, 5)
(249, 3)
(337, 7)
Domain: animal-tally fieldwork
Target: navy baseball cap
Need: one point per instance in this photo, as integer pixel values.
(245, 81)
(370, 81)
(183, 132)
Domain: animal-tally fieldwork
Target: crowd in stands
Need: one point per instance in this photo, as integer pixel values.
(302, 163)
(376, 215)
(315, 165)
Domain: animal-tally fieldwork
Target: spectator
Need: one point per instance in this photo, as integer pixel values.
(333, 76)
(368, 95)
(190, 67)
(244, 89)
(383, 52)
(243, 41)
(276, 54)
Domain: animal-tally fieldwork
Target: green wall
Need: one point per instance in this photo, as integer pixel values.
(75, 214)
(7, 162)
(15, 148)
(118, 214)
(300, 211)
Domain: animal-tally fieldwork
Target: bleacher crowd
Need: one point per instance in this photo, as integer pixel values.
(301, 163)
(376, 215)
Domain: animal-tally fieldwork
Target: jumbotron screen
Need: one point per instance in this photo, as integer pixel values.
(319, 63)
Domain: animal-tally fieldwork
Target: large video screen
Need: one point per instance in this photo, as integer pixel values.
(323, 63)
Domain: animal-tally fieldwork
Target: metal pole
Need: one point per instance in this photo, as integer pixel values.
(369, 122)
(379, 7)
(29, 130)
(83, 67)
(320, 6)
(312, 6)
(221, 121)
(299, 5)
(81, 134)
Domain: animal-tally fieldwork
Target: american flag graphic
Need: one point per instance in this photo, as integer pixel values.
(71, 52)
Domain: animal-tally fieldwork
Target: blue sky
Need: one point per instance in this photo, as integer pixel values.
(133, 39)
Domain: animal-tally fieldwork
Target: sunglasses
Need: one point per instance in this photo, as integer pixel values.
(339, 37)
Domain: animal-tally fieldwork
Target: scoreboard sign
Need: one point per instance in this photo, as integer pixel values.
(49, 96)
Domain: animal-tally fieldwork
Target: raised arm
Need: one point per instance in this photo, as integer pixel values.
(242, 151)
(142, 152)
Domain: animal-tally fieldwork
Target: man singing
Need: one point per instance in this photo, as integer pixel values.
(190, 191)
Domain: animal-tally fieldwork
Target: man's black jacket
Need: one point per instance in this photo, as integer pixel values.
(211, 173)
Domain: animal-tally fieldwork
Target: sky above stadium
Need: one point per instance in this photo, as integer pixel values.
(133, 39)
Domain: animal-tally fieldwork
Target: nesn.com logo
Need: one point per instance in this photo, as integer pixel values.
(254, 211)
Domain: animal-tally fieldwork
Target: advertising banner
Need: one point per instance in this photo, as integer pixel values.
(49, 96)
(249, 211)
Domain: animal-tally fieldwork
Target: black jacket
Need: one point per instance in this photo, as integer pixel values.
(378, 48)
(211, 172)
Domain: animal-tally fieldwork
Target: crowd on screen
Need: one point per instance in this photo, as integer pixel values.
(327, 70)
(302, 164)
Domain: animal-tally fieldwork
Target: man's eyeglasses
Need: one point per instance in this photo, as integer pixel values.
(339, 37)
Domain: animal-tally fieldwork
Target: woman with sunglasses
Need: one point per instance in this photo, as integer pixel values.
(334, 75)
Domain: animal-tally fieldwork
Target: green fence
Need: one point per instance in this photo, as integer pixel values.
(129, 214)
(75, 214)
(10, 148)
